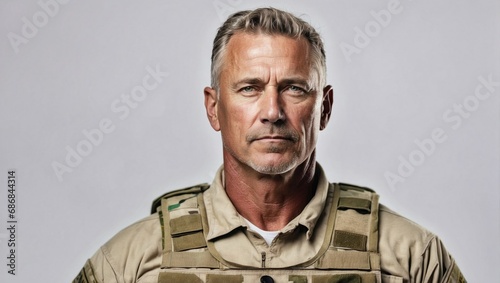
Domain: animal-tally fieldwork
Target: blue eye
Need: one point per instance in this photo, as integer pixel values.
(296, 90)
(248, 89)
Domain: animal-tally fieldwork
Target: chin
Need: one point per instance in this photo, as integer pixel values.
(273, 169)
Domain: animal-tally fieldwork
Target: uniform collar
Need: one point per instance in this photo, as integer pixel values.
(223, 217)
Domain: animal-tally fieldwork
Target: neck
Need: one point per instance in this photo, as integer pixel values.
(270, 201)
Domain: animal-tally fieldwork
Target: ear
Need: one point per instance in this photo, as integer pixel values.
(326, 106)
(211, 107)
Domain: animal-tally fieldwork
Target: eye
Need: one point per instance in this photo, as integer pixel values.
(295, 90)
(248, 90)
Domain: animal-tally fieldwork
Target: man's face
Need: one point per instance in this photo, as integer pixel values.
(269, 109)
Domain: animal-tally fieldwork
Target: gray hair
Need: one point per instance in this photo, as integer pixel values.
(268, 21)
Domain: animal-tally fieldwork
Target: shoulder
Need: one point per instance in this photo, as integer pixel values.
(133, 254)
(409, 250)
(139, 235)
(395, 230)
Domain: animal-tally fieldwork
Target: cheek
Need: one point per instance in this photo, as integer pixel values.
(308, 117)
(315, 114)
(307, 124)
(231, 120)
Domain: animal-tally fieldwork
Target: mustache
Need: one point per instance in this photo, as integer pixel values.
(273, 131)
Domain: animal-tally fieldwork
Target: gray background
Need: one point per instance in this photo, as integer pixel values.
(64, 79)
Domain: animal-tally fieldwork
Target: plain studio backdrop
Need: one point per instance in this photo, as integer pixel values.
(102, 111)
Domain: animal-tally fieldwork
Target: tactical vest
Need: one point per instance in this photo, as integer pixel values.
(349, 253)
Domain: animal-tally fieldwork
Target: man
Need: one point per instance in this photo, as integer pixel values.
(270, 214)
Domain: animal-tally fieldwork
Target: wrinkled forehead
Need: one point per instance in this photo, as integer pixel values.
(258, 49)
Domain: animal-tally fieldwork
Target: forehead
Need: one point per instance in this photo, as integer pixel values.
(249, 47)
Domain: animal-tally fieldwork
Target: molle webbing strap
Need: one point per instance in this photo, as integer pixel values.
(178, 277)
(171, 277)
(297, 278)
(354, 244)
(186, 232)
(345, 260)
(201, 259)
(183, 231)
(362, 206)
(216, 278)
(345, 278)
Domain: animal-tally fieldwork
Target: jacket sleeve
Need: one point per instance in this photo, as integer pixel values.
(97, 270)
(131, 256)
(436, 265)
(87, 274)
(413, 253)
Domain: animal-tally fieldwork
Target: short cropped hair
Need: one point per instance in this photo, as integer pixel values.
(269, 21)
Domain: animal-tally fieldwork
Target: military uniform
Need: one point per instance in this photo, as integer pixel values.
(197, 236)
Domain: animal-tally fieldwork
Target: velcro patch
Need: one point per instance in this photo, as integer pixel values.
(185, 224)
(349, 240)
(189, 241)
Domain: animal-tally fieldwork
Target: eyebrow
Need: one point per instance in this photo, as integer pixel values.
(287, 81)
(251, 81)
(299, 81)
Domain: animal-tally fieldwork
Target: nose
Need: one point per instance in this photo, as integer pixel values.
(271, 110)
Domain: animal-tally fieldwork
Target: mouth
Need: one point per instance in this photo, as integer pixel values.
(275, 138)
